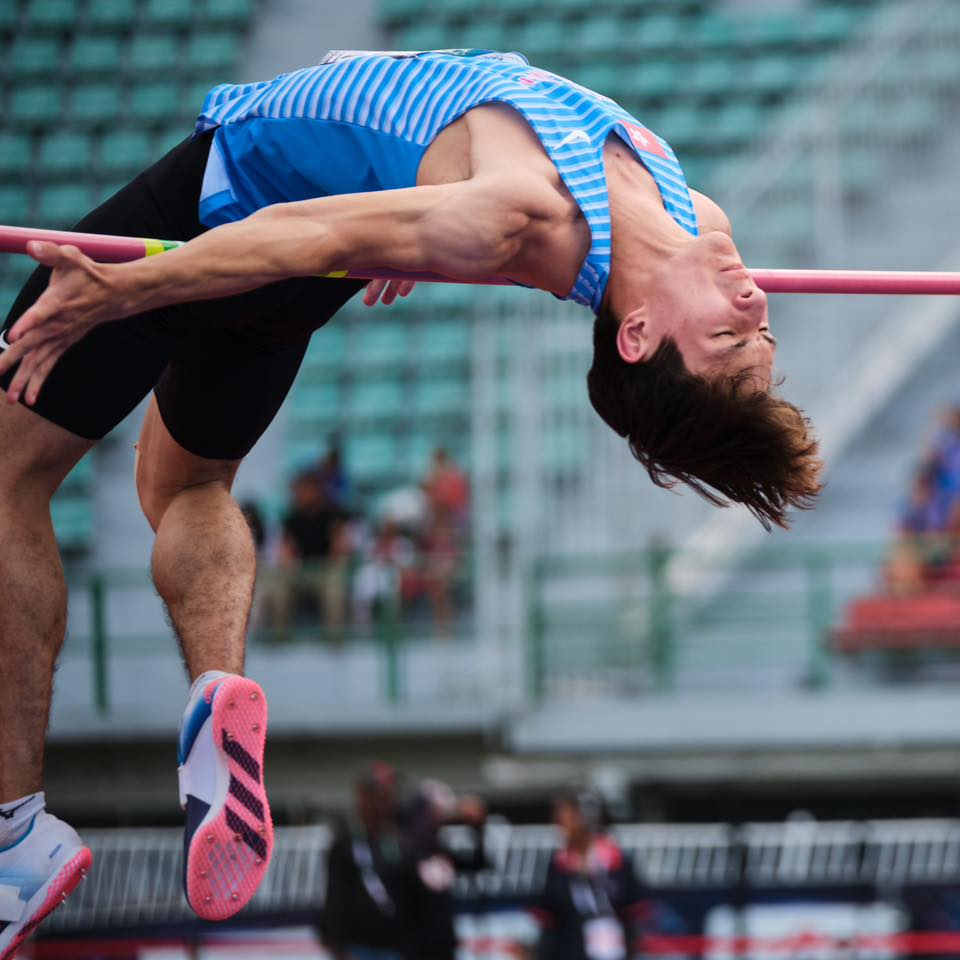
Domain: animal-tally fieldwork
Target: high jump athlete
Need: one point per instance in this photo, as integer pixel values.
(465, 163)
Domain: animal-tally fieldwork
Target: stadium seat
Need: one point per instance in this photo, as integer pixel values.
(398, 11)
(63, 205)
(155, 101)
(35, 56)
(73, 522)
(228, 11)
(654, 78)
(826, 26)
(541, 38)
(315, 402)
(96, 104)
(383, 345)
(212, 51)
(481, 36)
(9, 16)
(60, 15)
(65, 153)
(711, 78)
(602, 76)
(170, 13)
(444, 343)
(659, 32)
(377, 399)
(154, 53)
(771, 74)
(372, 457)
(447, 397)
(124, 150)
(95, 55)
(423, 36)
(715, 32)
(36, 106)
(599, 35)
(326, 352)
(15, 152)
(119, 14)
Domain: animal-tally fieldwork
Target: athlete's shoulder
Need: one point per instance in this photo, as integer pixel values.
(710, 215)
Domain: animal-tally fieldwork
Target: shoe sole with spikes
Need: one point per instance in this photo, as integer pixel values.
(229, 842)
(48, 898)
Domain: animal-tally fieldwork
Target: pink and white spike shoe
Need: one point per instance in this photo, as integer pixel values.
(228, 839)
(37, 874)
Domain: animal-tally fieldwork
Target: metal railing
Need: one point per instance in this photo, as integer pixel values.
(136, 875)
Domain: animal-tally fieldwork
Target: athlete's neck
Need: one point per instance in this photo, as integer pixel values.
(644, 235)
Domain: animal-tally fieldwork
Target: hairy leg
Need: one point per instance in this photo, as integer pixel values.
(204, 562)
(37, 455)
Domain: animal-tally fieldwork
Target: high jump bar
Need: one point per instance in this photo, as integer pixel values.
(108, 249)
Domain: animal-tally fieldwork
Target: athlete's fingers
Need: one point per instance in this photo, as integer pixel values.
(39, 378)
(406, 287)
(49, 254)
(372, 294)
(37, 315)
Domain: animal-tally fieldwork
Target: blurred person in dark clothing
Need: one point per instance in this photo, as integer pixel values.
(426, 904)
(360, 917)
(591, 894)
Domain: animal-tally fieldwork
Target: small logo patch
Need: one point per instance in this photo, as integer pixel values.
(644, 140)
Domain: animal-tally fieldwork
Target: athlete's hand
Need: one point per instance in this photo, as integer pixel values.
(78, 298)
(386, 291)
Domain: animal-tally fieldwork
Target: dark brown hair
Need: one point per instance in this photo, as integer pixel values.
(721, 436)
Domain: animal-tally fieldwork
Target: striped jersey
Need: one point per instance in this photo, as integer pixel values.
(362, 121)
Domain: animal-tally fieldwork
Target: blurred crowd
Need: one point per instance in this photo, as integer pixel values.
(329, 564)
(391, 877)
(926, 552)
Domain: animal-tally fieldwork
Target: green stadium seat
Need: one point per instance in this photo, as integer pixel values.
(482, 36)
(63, 205)
(400, 11)
(444, 343)
(771, 75)
(326, 352)
(715, 31)
(602, 76)
(541, 38)
(564, 448)
(65, 153)
(9, 16)
(125, 150)
(653, 79)
(913, 118)
(119, 14)
(712, 78)
(228, 11)
(376, 398)
(153, 53)
(14, 153)
(96, 103)
(95, 55)
(826, 26)
(599, 35)
(8, 293)
(682, 124)
(106, 189)
(73, 522)
(156, 101)
(168, 137)
(213, 51)
(659, 32)
(36, 106)
(771, 30)
(372, 457)
(170, 13)
(383, 345)
(35, 56)
(58, 15)
(316, 402)
(735, 124)
(445, 397)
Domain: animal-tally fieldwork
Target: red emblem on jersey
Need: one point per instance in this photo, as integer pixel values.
(533, 76)
(644, 140)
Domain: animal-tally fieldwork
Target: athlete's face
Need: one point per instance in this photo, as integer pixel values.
(708, 304)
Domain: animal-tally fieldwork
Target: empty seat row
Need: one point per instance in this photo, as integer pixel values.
(61, 16)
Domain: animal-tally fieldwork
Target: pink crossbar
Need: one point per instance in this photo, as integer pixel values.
(107, 249)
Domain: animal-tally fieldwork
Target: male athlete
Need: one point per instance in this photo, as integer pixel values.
(465, 163)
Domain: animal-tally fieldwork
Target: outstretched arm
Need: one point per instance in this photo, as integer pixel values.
(466, 230)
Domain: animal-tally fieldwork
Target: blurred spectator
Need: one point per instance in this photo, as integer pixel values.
(388, 573)
(332, 477)
(425, 904)
(360, 919)
(591, 894)
(314, 557)
(447, 489)
(448, 501)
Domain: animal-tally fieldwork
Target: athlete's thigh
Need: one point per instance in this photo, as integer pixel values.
(224, 386)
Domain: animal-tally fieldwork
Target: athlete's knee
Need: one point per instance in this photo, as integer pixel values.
(158, 486)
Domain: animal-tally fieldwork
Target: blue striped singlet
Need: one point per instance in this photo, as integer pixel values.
(362, 121)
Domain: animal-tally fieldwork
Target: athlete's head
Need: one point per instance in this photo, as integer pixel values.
(686, 377)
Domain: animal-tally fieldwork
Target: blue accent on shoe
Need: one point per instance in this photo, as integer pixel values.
(192, 724)
(55, 851)
(26, 833)
(196, 811)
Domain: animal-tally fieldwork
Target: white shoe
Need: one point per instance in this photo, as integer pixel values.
(37, 874)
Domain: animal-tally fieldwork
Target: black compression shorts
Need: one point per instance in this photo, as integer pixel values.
(220, 369)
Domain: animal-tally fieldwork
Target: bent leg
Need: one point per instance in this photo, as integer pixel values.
(204, 561)
(37, 455)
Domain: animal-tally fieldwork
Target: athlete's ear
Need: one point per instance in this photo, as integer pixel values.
(634, 340)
